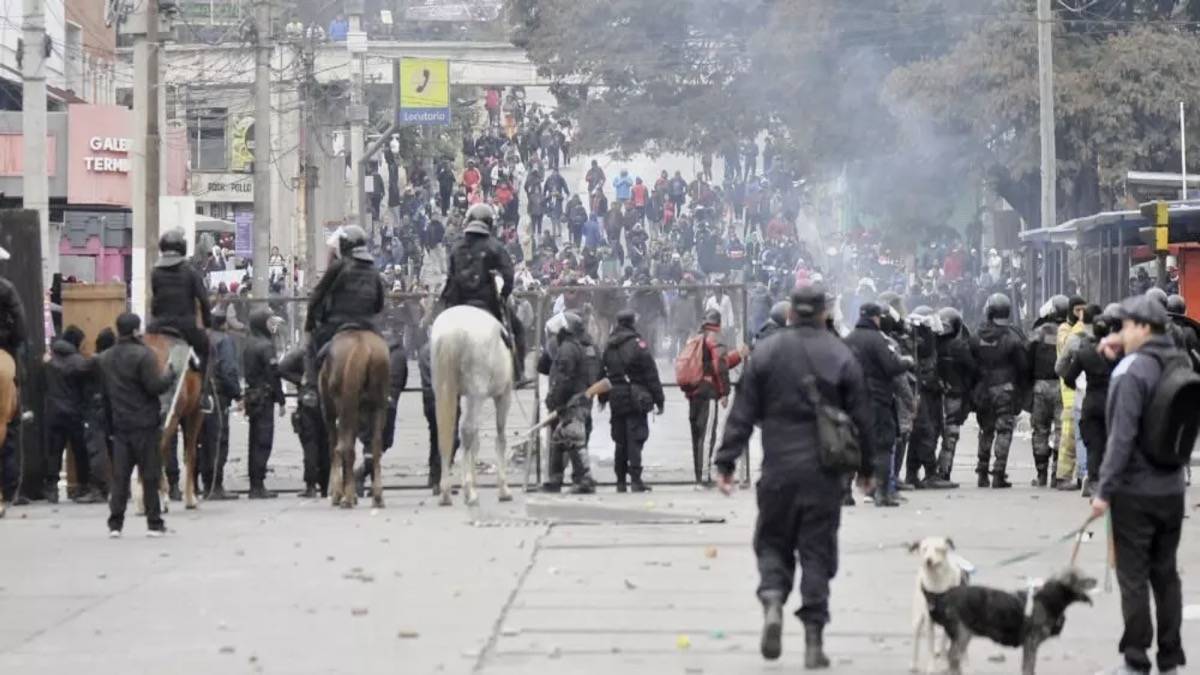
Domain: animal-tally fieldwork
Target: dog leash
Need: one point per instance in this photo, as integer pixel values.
(1078, 534)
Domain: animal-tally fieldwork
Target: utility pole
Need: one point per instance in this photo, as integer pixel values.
(356, 43)
(309, 239)
(1045, 32)
(35, 184)
(146, 156)
(262, 149)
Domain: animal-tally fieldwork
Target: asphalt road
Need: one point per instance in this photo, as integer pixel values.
(658, 583)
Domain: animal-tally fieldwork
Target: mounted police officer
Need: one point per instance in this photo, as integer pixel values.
(470, 280)
(1047, 397)
(349, 294)
(999, 351)
(636, 390)
(177, 290)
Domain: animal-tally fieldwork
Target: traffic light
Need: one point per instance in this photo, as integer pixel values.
(1159, 216)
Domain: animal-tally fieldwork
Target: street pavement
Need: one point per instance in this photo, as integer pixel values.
(657, 583)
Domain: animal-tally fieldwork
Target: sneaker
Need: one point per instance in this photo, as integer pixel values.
(156, 532)
(1066, 485)
(114, 534)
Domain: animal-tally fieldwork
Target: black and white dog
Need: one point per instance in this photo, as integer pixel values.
(1012, 619)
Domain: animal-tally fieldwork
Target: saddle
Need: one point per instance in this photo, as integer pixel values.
(345, 327)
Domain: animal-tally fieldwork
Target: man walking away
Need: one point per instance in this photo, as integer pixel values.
(133, 383)
(713, 386)
(214, 435)
(263, 392)
(65, 376)
(799, 500)
(1147, 498)
(636, 390)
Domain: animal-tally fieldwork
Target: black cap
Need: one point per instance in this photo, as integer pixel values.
(1144, 309)
(626, 317)
(870, 310)
(128, 323)
(809, 300)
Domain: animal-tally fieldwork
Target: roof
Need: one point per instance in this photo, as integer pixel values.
(1184, 218)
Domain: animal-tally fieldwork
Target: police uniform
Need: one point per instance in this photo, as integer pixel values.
(1046, 416)
(350, 293)
(799, 501)
(213, 450)
(263, 392)
(575, 367)
(630, 367)
(881, 364)
(928, 423)
(956, 370)
(999, 351)
(308, 425)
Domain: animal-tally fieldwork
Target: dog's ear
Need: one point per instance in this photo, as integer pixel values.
(913, 546)
(950, 543)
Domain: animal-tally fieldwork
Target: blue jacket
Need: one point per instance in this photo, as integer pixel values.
(593, 234)
(623, 184)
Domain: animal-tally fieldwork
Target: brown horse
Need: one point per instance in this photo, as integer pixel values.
(186, 412)
(354, 382)
(10, 399)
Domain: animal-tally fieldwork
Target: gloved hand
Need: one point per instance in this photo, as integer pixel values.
(909, 362)
(658, 409)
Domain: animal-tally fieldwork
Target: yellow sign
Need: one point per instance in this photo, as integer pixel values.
(424, 91)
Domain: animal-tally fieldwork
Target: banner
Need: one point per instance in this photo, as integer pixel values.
(425, 92)
(243, 237)
(241, 144)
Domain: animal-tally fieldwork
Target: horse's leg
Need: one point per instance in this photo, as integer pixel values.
(469, 430)
(347, 440)
(191, 434)
(335, 457)
(502, 403)
(380, 419)
(445, 387)
(164, 452)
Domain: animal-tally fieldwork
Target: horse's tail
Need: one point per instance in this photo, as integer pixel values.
(446, 391)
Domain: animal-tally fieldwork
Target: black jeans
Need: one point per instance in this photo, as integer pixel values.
(1095, 435)
(1146, 537)
(629, 434)
(10, 464)
(262, 435)
(135, 448)
(791, 526)
(60, 431)
(213, 449)
(922, 443)
(699, 410)
(310, 428)
(99, 449)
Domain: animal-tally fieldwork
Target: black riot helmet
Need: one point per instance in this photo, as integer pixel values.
(1060, 306)
(1158, 295)
(951, 320)
(480, 219)
(172, 241)
(998, 309)
(1176, 304)
(351, 237)
(572, 324)
(779, 312)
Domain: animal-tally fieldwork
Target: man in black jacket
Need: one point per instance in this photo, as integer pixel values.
(629, 366)
(930, 418)
(177, 292)
(575, 367)
(999, 351)
(97, 420)
(263, 392)
(1086, 358)
(880, 365)
(213, 450)
(956, 370)
(799, 501)
(66, 374)
(133, 383)
(308, 425)
(1147, 499)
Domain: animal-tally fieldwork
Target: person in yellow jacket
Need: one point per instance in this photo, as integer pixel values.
(1064, 475)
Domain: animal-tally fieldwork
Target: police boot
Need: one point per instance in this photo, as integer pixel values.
(1000, 480)
(814, 647)
(309, 492)
(983, 479)
(173, 492)
(637, 484)
(260, 491)
(1041, 478)
(622, 487)
(218, 493)
(771, 645)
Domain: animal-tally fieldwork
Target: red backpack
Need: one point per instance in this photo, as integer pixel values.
(689, 365)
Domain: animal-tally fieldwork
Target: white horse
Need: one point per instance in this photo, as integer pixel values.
(468, 358)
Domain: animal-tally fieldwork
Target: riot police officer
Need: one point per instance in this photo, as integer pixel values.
(350, 293)
(470, 281)
(999, 351)
(575, 367)
(1186, 327)
(214, 435)
(1047, 397)
(776, 320)
(956, 370)
(928, 424)
(636, 389)
(177, 289)
(263, 392)
(308, 425)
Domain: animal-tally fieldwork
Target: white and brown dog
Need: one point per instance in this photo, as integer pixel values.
(938, 572)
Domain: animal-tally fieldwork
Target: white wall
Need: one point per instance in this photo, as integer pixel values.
(11, 19)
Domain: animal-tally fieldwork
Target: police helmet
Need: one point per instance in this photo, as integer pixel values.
(480, 214)
(998, 309)
(349, 238)
(1176, 304)
(172, 241)
(892, 299)
(1158, 295)
(626, 317)
(572, 323)
(779, 312)
(951, 320)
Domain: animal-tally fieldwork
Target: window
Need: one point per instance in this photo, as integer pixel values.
(206, 139)
(74, 59)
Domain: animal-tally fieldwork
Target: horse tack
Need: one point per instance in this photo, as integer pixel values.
(182, 405)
